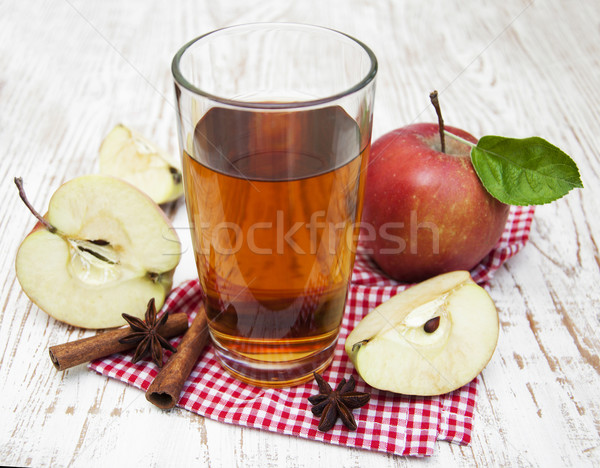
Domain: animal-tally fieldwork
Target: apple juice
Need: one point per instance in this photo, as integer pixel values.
(274, 199)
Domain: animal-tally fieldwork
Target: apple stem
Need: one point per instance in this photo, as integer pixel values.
(462, 140)
(433, 97)
(40, 218)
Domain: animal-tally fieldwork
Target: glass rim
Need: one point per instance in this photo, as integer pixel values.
(183, 82)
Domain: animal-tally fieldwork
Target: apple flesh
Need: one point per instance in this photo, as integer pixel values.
(427, 211)
(395, 348)
(126, 154)
(112, 251)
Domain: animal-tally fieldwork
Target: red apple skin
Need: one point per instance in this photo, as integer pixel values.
(410, 181)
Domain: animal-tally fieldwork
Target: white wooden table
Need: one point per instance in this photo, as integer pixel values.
(71, 69)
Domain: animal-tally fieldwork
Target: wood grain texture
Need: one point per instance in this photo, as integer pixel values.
(70, 70)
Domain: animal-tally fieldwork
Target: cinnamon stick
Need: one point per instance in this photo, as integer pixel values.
(71, 354)
(164, 391)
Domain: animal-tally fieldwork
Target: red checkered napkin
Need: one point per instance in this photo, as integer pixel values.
(402, 425)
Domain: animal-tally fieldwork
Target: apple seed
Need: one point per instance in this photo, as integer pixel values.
(100, 242)
(356, 346)
(99, 256)
(432, 324)
(176, 174)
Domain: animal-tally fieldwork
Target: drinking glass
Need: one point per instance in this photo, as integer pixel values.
(274, 127)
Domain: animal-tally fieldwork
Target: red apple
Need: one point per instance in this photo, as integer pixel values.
(426, 212)
(102, 249)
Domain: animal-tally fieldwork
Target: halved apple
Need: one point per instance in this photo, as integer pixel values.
(428, 340)
(103, 248)
(126, 154)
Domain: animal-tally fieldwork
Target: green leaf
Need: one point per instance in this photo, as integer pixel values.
(528, 171)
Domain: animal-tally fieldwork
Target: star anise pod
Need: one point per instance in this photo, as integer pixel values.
(145, 333)
(339, 403)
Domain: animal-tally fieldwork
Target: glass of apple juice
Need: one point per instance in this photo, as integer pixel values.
(275, 128)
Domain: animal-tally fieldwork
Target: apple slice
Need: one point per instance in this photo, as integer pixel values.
(104, 248)
(126, 154)
(430, 339)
